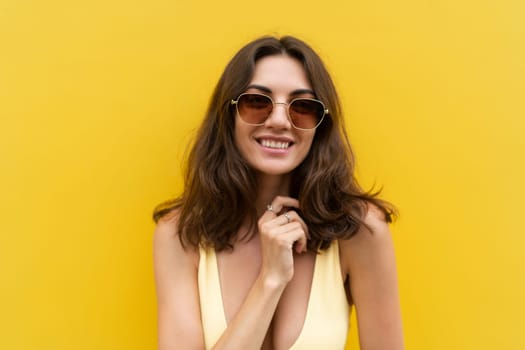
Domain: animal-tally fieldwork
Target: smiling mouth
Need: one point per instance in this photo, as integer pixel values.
(274, 144)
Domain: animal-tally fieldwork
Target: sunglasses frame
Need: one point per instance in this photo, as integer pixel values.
(287, 104)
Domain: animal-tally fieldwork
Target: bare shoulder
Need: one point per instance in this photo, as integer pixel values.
(371, 243)
(167, 244)
(168, 224)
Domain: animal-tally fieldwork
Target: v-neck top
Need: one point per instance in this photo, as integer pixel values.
(327, 315)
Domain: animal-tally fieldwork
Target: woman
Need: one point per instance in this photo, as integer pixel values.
(273, 240)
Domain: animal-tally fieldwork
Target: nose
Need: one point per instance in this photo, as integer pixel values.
(278, 118)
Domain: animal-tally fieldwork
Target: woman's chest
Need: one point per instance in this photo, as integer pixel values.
(238, 271)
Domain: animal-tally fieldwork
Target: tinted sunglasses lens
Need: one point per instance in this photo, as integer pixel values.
(254, 108)
(306, 113)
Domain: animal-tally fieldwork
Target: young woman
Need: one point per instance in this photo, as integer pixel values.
(272, 240)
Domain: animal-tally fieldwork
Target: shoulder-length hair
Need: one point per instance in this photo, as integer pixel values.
(220, 187)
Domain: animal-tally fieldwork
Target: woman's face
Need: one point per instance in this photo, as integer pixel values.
(276, 147)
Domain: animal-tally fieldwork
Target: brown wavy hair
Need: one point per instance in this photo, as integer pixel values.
(220, 187)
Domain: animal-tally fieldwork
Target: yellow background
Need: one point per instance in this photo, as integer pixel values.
(98, 99)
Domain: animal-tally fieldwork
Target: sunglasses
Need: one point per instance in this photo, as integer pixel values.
(304, 113)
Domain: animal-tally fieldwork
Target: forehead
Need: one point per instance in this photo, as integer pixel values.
(281, 74)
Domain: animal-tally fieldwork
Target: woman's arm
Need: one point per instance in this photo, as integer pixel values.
(179, 321)
(369, 260)
(180, 325)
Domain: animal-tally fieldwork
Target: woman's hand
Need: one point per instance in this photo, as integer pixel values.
(281, 231)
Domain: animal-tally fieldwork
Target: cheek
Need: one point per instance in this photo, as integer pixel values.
(306, 148)
(308, 142)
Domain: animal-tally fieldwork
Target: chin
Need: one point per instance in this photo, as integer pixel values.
(272, 170)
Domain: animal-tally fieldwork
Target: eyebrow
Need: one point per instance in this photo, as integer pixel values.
(269, 91)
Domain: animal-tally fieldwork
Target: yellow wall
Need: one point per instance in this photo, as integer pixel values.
(98, 98)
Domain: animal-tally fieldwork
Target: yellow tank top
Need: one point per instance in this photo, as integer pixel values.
(326, 322)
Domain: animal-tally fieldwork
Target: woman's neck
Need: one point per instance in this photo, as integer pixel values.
(271, 186)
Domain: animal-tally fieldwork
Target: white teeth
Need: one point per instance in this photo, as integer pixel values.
(275, 144)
